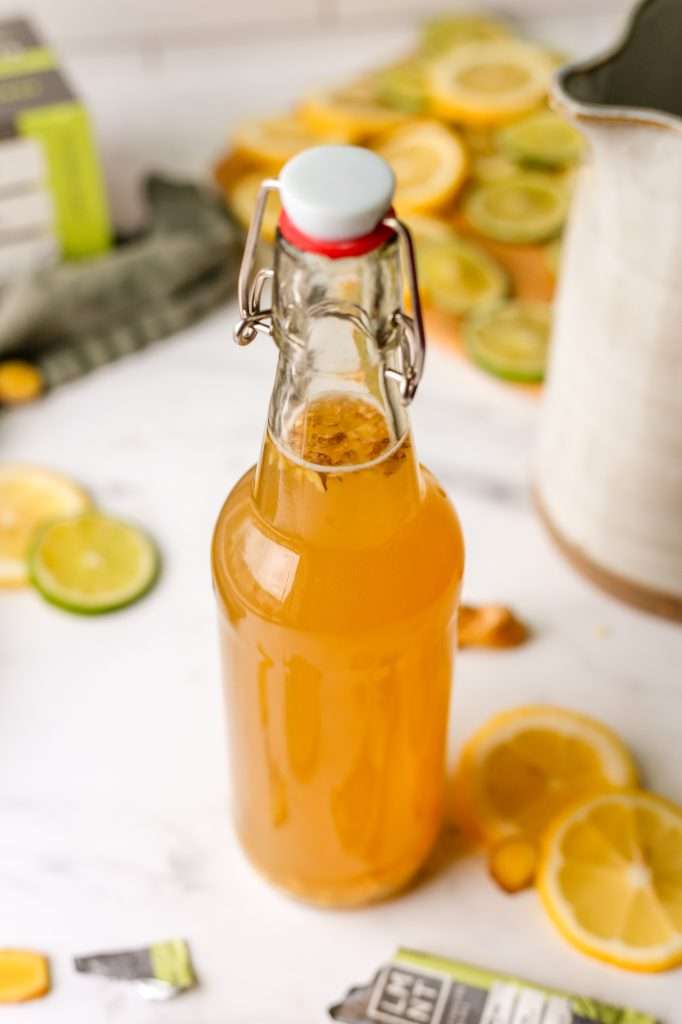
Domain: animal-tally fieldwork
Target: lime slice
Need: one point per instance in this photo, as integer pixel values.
(403, 86)
(458, 276)
(512, 340)
(91, 563)
(545, 140)
(528, 207)
(442, 34)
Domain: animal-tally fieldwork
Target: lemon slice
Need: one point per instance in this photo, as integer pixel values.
(92, 563)
(611, 879)
(24, 975)
(489, 82)
(525, 765)
(272, 142)
(442, 34)
(512, 340)
(429, 162)
(545, 140)
(458, 276)
(526, 207)
(352, 114)
(241, 197)
(29, 496)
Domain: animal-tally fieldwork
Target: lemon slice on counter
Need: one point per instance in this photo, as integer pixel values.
(352, 114)
(241, 197)
(270, 143)
(20, 382)
(512, 340)
(92, 563)
(458, 277)
(403, 86)
(429, 162)
(29, 496)
(525, 765)
(544, 139)
(489, 82)
(611, 879)
(525, 207)
(445, 33)
(24, 975)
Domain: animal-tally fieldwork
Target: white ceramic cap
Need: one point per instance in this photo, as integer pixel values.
(336, 193)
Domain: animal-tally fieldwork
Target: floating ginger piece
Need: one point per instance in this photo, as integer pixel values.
(23, 975)
(490, 625)
(513, 863)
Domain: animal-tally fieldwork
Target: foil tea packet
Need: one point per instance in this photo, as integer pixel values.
(416, 988)
(160, 971)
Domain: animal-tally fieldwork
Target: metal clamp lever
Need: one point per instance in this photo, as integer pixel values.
(412, 339)
(249, 287)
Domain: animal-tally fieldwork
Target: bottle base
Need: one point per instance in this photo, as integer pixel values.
(346, 896)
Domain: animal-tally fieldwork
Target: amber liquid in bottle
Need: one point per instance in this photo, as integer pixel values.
(337, 563)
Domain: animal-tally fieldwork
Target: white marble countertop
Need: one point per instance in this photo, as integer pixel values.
(113, 782)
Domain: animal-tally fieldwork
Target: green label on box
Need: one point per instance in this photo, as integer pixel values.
(80, 206)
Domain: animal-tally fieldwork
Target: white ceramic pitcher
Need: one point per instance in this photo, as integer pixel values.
(609, 480)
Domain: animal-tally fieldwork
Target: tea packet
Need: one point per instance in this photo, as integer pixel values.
(160, 971)
(416, 988)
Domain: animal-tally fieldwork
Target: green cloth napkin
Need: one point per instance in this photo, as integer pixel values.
(73, 318)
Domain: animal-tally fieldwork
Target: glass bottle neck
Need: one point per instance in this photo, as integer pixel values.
(334, 411)
(335, 326)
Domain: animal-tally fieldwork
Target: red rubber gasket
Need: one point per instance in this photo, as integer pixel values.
(336, 250)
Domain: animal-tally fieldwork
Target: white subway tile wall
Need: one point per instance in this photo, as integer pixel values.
(90, 25)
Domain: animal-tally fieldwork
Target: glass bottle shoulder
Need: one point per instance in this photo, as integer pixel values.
(338, 551)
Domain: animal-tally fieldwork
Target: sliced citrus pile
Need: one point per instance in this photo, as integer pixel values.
(611, 879)
(92, 563)
(30, 496)
(429, 162)
(490, 82)
(525, 765)
(24, 975)
(464, 121)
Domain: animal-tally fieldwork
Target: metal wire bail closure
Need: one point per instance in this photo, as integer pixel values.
(252, 318)
(412, 336)
(255, 319)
